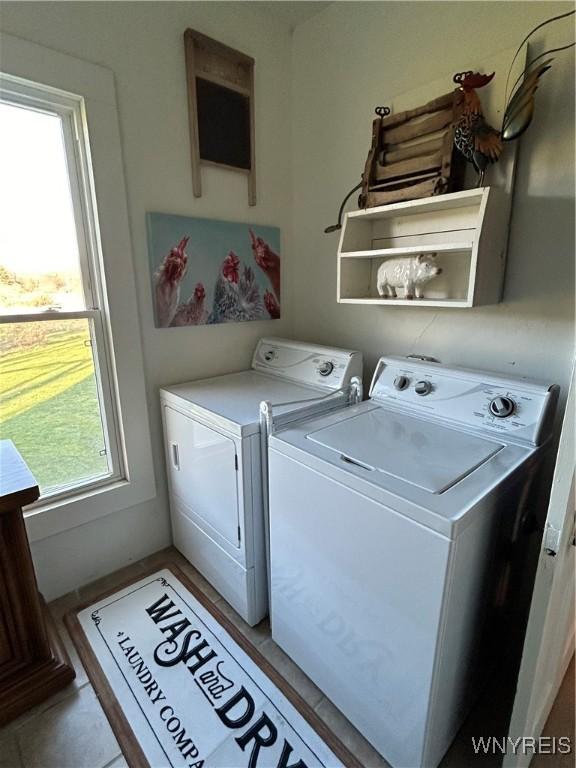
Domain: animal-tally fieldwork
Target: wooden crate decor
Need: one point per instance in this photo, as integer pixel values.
(221, 108)
(412, 154)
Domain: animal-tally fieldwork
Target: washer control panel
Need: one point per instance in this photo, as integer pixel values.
(477, 399)
(423, 387)
(502, 407)
(311, 364)
(401, 382)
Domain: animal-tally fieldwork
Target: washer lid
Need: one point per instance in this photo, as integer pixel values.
(416, 451)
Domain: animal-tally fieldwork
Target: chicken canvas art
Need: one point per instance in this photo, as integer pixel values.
(206, 271)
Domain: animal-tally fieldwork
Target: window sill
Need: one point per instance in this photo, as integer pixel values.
(49, 518)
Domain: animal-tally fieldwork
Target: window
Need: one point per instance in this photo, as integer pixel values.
(114, 469)
(57, 397)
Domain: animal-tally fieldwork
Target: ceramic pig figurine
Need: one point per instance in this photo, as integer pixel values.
(408, 272)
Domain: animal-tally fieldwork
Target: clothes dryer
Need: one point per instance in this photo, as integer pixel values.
(212, 441)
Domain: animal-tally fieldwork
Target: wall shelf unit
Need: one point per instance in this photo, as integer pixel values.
(467, 230)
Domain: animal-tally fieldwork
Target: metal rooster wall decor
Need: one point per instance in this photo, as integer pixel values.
(479, 142)
(473, 138)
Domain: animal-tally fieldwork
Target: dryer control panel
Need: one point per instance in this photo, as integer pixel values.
(311, 364)
(488, 401)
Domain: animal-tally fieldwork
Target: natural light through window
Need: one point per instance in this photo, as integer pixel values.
(38, 244)
(55, 401)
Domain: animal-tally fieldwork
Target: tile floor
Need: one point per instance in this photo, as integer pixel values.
(70, 729)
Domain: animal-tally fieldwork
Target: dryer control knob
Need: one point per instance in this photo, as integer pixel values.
(326, 368)
(502, 406)
(423, 388)
(401, 382)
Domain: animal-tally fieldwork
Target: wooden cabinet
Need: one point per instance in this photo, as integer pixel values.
(33, 662)
(467, 230)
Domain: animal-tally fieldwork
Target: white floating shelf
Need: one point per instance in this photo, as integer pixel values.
(409, 302)
(408, 250)
(429, 204)
(467, 230)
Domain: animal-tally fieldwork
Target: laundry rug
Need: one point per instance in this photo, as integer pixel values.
(182, 687)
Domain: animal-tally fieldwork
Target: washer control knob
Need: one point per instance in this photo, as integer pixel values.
(401, 382)
(326, 368)
(423, 388)
(502, 406)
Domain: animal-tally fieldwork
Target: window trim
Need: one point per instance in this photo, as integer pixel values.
(61, 76)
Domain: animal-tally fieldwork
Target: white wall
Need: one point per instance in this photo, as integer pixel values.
(142, 43)
(354, 56)
(345, 61)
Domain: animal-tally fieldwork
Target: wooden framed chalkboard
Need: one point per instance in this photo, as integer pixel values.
(221, 108)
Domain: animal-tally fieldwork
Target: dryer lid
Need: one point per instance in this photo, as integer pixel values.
(419, 452)
(233, 400)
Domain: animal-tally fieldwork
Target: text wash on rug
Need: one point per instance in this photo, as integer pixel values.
(235, 712)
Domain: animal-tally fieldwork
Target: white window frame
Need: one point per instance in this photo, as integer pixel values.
(69, 109)
(83, 95)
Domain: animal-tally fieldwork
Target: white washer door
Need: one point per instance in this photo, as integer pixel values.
(427, 455)
(202, 467)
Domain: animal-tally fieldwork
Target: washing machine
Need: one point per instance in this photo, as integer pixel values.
(213, 458)
(383, 523)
